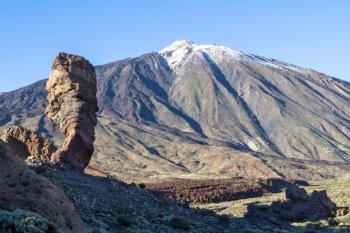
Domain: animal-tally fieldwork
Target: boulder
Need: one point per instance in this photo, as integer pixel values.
(72, 104)
(299, 206)
(294, 193)
(324, 201)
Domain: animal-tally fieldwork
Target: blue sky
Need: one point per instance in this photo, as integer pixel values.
(312, 34)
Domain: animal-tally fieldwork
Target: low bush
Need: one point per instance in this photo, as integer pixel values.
(179, 223)
(21, 221)
(125, 221)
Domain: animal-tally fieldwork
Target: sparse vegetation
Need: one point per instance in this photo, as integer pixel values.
(179, 223)
(224, 219)
(142, 186)
(21, 221)
(333, 222)
(125, 220)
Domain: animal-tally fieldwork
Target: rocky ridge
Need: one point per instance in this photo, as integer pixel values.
(26, 144)
(22, 188)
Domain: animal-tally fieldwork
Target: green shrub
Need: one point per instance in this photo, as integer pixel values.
(125, 221)
(21, 221)
(142, 186)
(333, 222)
(248, 231)
(300, 216)
(310, 231)
(224, 219)
(179, 223)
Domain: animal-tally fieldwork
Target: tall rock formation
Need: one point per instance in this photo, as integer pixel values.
(72, 104)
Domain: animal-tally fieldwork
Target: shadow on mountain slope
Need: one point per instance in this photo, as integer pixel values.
(108, 205)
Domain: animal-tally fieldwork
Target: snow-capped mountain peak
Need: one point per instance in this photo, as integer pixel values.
(177, 52)
(178, 44)
(180, 50)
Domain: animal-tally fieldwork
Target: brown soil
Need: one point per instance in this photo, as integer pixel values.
(208, 191)
(95, 172)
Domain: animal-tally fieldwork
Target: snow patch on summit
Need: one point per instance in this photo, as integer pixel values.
(177, 52)
(219, 53)
(262, 61)
(180, 50)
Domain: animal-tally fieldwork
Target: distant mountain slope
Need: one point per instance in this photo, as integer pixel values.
(207, 109)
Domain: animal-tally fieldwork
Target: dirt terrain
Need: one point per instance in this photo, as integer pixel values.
(208, 191)
(108, 205)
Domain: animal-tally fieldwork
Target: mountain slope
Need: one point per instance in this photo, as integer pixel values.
(206, 109)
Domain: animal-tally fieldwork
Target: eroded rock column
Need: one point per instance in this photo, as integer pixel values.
(72, 104)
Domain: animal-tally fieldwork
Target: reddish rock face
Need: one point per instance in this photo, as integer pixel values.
(26, 144)
(22, 188)
(72, 104)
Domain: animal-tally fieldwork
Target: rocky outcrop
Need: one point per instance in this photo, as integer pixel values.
(22, 188)
(72, 104)
(293, 192)
(27, 144)
(299, 206)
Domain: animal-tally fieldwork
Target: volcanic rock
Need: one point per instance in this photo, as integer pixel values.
(322, 198)
(298, 207)
(342, 211)
(197, 191)
(27, 144)
(72, 104)
(294, 192)
(22, 188)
